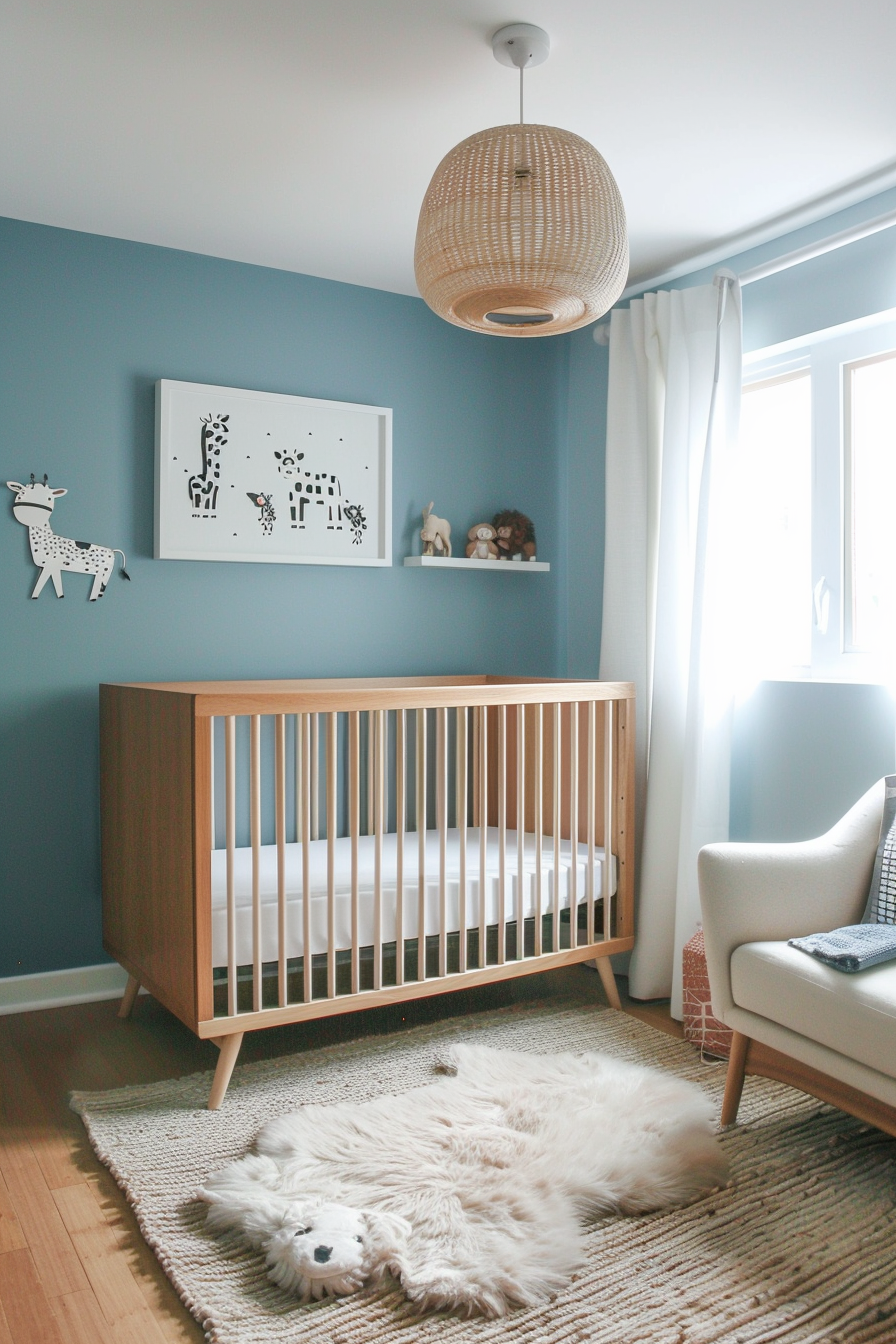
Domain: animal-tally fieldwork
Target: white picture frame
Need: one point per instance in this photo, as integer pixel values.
(267, 478)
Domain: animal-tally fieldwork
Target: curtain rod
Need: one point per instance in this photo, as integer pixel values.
(782, 263)
(801, 254)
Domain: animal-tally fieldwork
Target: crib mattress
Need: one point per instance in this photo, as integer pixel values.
(388, 885)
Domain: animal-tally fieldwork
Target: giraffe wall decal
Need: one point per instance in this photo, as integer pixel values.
(203, 487)
(33, 506)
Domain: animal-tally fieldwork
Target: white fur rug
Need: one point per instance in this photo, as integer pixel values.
(470, 1191)
(799, 1246)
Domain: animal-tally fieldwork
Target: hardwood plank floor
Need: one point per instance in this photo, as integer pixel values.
(74, 1268)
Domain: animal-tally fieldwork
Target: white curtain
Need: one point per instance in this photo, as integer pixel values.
(669, 613)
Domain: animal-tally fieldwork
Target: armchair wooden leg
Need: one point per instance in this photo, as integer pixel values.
(230, 1048)
(132, 989)
(608, 980)
(734, 1081)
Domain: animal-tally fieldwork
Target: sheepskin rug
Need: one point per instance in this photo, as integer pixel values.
(470, 1191)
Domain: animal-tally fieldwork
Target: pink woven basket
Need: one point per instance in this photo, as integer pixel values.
(706, 1031)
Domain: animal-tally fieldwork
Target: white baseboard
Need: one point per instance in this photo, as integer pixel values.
(57, 989)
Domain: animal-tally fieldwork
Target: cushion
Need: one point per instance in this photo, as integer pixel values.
(881, 907)
(853, 1014)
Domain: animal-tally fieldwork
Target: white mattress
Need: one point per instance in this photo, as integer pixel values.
(343, 875)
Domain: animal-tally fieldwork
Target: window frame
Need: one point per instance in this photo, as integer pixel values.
(829, 355)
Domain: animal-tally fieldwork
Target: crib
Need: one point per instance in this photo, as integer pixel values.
(277, 851)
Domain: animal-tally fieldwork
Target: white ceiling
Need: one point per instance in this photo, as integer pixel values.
(302, 133)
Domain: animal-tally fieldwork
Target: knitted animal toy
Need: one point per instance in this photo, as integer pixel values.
(435, 533)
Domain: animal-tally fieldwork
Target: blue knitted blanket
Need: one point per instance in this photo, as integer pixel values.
(852, 948)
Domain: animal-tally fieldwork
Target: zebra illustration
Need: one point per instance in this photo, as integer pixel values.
(267, 517)
(203, 487)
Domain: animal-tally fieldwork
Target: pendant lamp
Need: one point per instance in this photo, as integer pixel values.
(522, 229)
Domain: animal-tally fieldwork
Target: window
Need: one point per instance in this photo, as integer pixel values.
(815, 521)
(869, 405)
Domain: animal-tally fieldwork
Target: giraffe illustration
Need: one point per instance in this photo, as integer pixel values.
(267, 517)
(203, 487)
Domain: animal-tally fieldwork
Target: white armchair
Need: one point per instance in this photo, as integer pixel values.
(794, 1018)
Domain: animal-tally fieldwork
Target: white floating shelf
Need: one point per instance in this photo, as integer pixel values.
(461, 562)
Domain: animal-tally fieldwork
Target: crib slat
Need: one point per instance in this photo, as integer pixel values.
(379, 753)
(591, 776)
(354, 824)
(539, 820)
(255, 838)
(442, 824)
(483, 828)
(400, 823)
(608, 816)
(555, 782)
(315, 776)
(476, 713)
(420, 819)
(460, 821)
(306, 858)
(502, 830)
(211, 775)
(230, 841)
(280, 825)
(331, 795)
(520, 828)
(574, 824)
(298, 775)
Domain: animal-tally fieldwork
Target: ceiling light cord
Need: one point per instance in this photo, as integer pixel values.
(521, 94)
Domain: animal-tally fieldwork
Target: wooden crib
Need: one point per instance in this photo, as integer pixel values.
(281, 850)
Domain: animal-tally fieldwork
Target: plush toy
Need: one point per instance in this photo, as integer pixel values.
(515, 535)
(435, 533)
(481, 542)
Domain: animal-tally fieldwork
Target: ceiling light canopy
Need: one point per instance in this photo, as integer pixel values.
(522, 229)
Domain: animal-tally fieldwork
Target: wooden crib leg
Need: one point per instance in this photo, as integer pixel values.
(230, 1048)
(132, 989)
(608, 980)
(734, 1080)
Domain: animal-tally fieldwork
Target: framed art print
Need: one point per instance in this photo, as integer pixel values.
(263, 477)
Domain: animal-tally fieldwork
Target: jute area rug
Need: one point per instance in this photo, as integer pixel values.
(802, 1246)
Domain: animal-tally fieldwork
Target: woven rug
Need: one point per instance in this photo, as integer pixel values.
(801, 1246)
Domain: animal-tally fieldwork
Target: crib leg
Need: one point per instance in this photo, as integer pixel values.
(230, 1048)
(130, 994)
(608, 980)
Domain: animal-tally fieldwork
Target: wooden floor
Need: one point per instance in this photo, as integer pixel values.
(73, 1266)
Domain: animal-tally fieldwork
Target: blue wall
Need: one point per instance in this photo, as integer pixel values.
(88, 326)
(90, 323)
(802, 753)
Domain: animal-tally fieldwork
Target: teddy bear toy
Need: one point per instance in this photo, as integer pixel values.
(514, 535)
(481, 542)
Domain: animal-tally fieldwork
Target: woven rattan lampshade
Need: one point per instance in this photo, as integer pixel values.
(526, 223)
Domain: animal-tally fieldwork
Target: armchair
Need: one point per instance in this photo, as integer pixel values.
(794, 1018)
